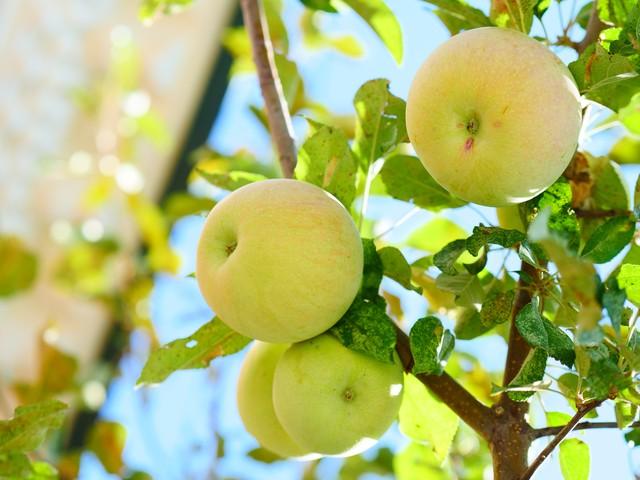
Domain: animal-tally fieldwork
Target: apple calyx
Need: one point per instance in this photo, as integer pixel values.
(229, 249)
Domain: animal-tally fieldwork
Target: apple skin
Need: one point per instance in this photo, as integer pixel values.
(279, 260)
(255, 400)
(332, 400)
(494, 116)
(509, 218)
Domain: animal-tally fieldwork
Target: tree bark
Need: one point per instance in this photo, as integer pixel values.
(274, 101)
(511, 438)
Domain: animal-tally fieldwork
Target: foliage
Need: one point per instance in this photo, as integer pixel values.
(580, 240)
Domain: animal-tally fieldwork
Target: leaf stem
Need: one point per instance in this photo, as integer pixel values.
(548, 431)
(270, 85)
(560, 435)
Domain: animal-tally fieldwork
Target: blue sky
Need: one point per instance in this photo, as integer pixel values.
(170, 427)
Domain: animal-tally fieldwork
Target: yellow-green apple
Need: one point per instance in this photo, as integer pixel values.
(509, 218)
(494, 116)
(279, 260)
(332, 400)
(255, 400)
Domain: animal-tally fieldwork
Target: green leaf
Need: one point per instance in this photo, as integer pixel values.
(629, 280)
(372, 271)
(325, 160)
(182, 204)
(609, 239)
(574, 459)
(382, 20)
(106, 441)
(263, 455)
(367, 329)
(430, 346)
(446, 258)
(435, 235)
(466, 287)
(532, 371)
(230, 180)
(531, 326)
(629, 116)
(557, 419)
(424, 418)
(214, 339)
(406, 179)
(14, 466)
(396, 267)
(19, 266)
(482, 236)
(517, 14)
(324, 5)
(418, 462)
(626, 413)
(497, 307)
(615, 12)
(468, 323)
(357, 466)
(26, 430)
(560, 344)
(562, 221)
(609, 79)
(628, 40)
(613, 300)
(457, 15)
(380, 122)
(150, 8)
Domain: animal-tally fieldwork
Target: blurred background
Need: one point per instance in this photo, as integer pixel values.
(105, 108)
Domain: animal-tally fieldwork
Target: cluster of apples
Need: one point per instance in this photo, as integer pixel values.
(281, 261)
(494, 117)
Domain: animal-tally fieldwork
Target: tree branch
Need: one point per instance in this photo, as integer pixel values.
(270, 85)
(518, 348)
(547, 431)
(455, 396)
(594, 27)
(564, 431)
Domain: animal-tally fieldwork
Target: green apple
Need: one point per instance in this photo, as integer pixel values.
(255, 400)
(494, 116)
(332, 400)
(279, 260)
(509, 218)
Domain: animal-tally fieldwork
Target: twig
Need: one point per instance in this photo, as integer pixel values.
(564, 431)
(455, 396)
(547, 431)
(594, 27)
(270, 85)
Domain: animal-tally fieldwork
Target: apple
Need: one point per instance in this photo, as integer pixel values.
(279, 260)
(332, 400)
(255, 402)
(509, 218)
(494, 116)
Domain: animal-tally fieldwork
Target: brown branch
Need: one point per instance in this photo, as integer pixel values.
(594, 27)
(455, 396)
(564, 431)
(601, 213)
(547, 431)
(270, 85)
(518, 347)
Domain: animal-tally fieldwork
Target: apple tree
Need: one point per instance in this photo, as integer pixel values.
(565, 214)
(295, 269)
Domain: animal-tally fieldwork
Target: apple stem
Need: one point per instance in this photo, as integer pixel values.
(275, 102)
